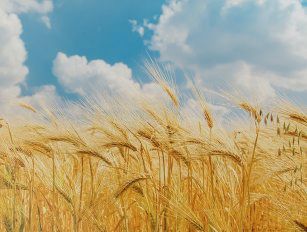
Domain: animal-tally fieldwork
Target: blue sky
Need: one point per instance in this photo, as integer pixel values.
(97, 29)
(53, 50)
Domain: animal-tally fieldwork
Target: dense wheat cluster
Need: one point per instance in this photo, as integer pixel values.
(152, 167)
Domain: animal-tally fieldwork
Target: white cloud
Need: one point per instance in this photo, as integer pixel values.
(240, 77)
(78, 75)
(13, 53)
(24, 6)
(137, 28)
(46, 20)
(193, 109)
(250, 44)
(42, 7)
(43, 96)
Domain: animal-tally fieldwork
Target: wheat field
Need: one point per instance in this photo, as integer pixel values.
(144, 166)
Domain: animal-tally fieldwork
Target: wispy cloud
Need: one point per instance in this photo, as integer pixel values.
(137, 28)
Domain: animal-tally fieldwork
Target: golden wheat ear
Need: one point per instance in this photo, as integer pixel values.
(164, 76)
(27, 107)
(204, 106)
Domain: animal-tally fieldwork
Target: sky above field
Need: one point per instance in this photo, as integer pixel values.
(53, 50)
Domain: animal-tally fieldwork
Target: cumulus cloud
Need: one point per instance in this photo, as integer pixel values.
(250, 44)
(12, 56)
(43, 96)
(42, 7)
(78, 75)
(24, 6)
(13, 53)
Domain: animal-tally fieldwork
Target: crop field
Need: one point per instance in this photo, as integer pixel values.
(143, 165)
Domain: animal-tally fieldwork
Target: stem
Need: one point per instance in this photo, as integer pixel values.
(122, 207)
(170, 170)
(158, 195)
(164, 190)
(92, 178)
(250, 167)
(211, 168)
(180, 174)
(164, 174)
(81, 189)
(31, 195)
(203, 181)
(14, 199)
(189, 183)
(53, 193)
(251, 163)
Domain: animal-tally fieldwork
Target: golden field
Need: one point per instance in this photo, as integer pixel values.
(154, 167)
